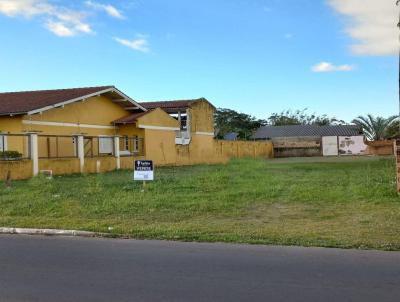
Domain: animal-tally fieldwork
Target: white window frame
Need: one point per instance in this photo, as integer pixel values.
(3, 138)
(126, 143)
(136, 144)
(105, 138)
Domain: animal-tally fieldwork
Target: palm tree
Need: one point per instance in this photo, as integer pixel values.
(375, 128)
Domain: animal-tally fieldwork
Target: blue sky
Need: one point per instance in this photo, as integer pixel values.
(258, 57)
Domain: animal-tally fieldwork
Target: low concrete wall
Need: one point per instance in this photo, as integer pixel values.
(20, 169)
(127, 162)
(106, 164)
(385, 147)
(297, 152)
(304, 146)
(240, 149)
(60, 166)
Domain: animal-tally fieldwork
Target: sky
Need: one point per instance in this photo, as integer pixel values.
(335, 57)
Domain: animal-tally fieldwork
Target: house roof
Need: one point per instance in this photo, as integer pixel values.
(267, 132)
(130, 119)
(30, 102)
(173, 105)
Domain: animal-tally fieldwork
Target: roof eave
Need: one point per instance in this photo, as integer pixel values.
(129, 99)
(81, 98)
(13, 113)
(203, 100)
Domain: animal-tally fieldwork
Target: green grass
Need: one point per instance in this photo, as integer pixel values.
(332, 202)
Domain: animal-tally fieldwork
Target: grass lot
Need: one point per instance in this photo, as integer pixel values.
(346, 202)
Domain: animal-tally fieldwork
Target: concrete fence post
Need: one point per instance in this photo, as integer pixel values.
(34, 153)
(81, 153)
(116, 152)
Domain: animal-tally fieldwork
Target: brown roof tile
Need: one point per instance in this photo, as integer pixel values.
(25, 101)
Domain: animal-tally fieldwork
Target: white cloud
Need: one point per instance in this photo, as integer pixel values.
(139, 44)
(109, 9)
(59, 20)
(329, 67)
(288, 36)
(372, 23)
(59, 29)
(26, 8)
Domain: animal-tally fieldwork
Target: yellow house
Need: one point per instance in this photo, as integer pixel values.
(98, 129)
(174, 132)
(59, 116)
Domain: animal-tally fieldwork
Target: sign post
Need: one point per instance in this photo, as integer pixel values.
(143, 171)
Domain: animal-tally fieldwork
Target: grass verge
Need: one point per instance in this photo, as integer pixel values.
(346, 202)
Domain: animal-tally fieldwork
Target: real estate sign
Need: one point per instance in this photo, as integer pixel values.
(144, 170)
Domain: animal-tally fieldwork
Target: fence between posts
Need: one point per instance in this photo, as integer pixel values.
(64, 154)
(14, 146)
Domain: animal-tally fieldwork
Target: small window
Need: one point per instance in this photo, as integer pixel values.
(135, 144)
(126, 143)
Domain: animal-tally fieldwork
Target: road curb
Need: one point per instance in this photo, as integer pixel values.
(49, 232)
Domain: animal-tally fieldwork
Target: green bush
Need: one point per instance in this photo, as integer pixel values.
(10, 155)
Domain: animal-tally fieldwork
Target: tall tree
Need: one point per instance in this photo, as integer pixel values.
(301, 117)
(227, 120)
(376, 128)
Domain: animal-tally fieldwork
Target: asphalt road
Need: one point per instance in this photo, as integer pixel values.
(58, 269)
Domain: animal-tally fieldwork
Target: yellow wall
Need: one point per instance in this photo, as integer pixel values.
(13, 125)
(158, 117)
(10, 124)
(128, 162)
(130, 130)
(106, 164)
(60, 166)
(19, 169)
(160, 146)
(202, 117)
(202, 150)
(239, 149)
(100, 111)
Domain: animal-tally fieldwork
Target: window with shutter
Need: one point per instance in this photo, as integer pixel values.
(106, 145)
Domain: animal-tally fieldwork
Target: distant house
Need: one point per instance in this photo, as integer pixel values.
(313, 140)
(271, 132)
(231, 136)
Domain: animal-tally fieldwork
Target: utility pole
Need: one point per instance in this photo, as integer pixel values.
(398, 26)
(397, 143)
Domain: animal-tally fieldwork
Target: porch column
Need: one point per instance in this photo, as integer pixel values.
(81, 153)
(34, 153)
(116, 152)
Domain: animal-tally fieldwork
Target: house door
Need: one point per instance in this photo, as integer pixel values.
(330, 146)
